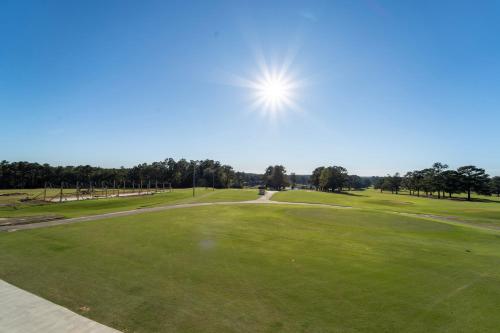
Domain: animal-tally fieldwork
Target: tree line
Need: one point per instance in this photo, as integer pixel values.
(442, 182)
(174, 173)
(437, 180)
(333, 178)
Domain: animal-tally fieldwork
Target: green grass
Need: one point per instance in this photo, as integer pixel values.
(266, 268)
(485, 213)
(100, 206)
(230, 195)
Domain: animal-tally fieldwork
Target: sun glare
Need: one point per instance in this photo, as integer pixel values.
(273, 89)
(273, 92)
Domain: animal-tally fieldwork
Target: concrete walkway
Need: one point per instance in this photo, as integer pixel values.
(23, 312)
(265, 199)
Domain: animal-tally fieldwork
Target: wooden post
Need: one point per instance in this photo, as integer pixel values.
(45, 191)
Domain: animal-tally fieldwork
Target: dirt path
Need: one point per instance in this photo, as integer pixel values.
(265, 199)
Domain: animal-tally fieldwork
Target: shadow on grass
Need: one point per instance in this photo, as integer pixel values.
(448, 198)
(349, 194)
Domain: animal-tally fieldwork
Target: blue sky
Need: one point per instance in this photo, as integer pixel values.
(387, 85)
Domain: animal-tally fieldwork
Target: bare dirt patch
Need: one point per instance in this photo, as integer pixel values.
(28, 220)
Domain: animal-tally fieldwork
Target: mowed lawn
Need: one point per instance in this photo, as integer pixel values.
(101, 206)
(485, 212)
(264, 268)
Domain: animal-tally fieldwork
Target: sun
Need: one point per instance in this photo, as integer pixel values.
(273, 89)
(273, 93)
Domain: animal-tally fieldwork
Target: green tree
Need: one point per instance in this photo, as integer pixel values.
(427, 181)
(393, 183)
(314, 180)
(226, 175)
(450, 182)
(472, 179)
(333, 178)
(355, 182)
(438, 180)
(275, 177)
(408, 182)
(495, 185)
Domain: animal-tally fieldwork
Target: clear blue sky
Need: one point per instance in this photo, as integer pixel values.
(391, 85)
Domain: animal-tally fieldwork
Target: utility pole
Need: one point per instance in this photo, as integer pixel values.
(194, 176)
(90, 188)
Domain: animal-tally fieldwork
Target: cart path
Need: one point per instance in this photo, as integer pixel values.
(24, 312)
(265, 199)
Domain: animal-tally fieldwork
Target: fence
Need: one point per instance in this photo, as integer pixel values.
(65, 192)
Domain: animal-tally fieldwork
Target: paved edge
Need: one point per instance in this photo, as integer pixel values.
(24, 312)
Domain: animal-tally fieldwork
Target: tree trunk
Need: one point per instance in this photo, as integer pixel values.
(439, 194)
(418, 192)
(468, 194)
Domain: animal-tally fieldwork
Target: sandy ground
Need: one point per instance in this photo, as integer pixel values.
(110, 195)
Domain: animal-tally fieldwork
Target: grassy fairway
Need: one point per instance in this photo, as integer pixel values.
(264, 268)
(100, 206)
(484, 213)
